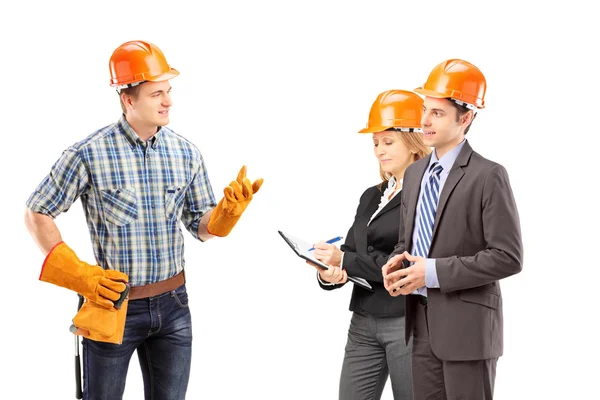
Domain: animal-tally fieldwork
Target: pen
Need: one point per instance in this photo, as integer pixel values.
(330, 241)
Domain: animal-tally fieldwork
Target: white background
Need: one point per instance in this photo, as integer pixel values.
(283, 87)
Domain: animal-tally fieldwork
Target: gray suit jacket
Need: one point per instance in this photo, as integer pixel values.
(476, 242)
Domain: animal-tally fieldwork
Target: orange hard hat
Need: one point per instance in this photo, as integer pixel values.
(458, 80)
(399, 109)
(136, 62)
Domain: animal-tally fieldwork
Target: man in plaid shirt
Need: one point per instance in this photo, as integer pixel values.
(137, 180)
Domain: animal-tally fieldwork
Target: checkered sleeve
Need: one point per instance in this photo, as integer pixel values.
(67, 180)
(199, 199)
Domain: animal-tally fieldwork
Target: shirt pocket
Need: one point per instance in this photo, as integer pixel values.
(174, 201)
(120, 205)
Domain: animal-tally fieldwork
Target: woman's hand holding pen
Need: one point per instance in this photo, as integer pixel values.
(328, 253)
(332, 256)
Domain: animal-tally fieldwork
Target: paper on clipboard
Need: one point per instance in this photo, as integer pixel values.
(300, 247)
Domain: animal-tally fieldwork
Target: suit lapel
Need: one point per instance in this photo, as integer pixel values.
(368, 207)
(456, 174)
(394, 202)
(412, 199)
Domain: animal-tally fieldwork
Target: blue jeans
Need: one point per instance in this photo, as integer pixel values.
(160, 329)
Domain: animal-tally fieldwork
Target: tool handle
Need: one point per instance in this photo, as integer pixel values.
(78, 391)
(124, 295)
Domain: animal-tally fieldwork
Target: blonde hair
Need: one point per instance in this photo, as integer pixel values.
(414, 142)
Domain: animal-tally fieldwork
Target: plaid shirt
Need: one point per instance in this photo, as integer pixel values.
(134, 194)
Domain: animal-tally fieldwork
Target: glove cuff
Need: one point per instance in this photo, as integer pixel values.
(48, 256)
(62, 267)
(221, 223)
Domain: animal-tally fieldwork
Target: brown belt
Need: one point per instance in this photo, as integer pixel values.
(156, 288)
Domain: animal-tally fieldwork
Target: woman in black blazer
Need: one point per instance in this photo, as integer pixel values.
(375, 348)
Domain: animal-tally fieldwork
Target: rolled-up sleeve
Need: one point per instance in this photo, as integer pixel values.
(66, 182)
(199, 199)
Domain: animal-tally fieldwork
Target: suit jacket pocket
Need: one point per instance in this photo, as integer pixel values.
(482, 297)
(120, 205)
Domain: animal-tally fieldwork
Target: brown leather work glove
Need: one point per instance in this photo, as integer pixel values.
(100, 324)
(63, 268)
(229, 210)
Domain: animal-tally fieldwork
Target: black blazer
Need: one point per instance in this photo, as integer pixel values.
(366, 250)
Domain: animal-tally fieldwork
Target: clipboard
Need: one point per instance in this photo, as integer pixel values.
(300, 247)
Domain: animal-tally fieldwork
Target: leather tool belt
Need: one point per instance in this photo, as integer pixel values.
(157, 288)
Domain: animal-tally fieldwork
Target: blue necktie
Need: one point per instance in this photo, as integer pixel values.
(429, 202)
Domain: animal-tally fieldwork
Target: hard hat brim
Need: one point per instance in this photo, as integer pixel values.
(164, 77)
(158, 78)
(431, 93)
(374, 129)
(438, 95)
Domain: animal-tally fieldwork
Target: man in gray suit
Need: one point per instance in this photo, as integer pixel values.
(461, 235)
